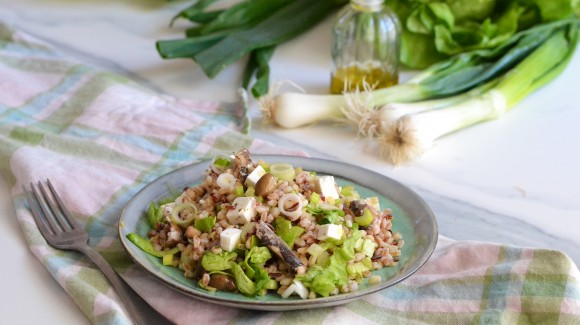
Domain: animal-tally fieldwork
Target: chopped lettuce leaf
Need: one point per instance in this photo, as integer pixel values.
(258, 255)
(326, 216)
(206, 224)
(325, 279)
(217, 262)
(262, 279)
(154, 214)
(284, 229)
(145, 245)
(243, 282)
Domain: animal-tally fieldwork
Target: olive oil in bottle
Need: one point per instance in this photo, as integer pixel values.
(365, 47)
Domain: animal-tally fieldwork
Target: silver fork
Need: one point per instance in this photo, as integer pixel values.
(61, 231)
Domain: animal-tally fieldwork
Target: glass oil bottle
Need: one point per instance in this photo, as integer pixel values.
(365, 47)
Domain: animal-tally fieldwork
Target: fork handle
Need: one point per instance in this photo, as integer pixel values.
(135, 305)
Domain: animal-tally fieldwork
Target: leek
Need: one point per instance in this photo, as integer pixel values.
(412, 134)
(454, 76)
(220, 37)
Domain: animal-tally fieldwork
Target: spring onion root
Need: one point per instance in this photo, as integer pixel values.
(413, 133)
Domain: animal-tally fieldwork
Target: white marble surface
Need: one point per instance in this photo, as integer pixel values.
(513, 181)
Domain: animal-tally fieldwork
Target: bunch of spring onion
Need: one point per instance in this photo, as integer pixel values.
(467, 89)
(221, 37)
(457, 75)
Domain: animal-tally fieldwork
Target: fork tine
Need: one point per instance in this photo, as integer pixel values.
(41, 222)
(57, 213)
(43, 200)
(62, 207)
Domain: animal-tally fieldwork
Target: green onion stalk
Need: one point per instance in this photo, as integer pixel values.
(411, 134)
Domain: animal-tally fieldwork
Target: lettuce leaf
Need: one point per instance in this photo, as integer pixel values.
(324, 280)
(434, 30)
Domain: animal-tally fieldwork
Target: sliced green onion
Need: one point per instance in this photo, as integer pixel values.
(314, 198)
(284, 172)
(348, 191)
(366, 219)
(239, 190)
(290, 205)
(250, 192)
(183, 214)
(226, 181)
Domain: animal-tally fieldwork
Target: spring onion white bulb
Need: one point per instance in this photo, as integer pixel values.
(291, 110)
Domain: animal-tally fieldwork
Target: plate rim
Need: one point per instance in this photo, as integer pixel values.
(285, 304)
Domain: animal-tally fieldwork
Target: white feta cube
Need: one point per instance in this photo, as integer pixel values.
(243, 211)
(230, 238)
(325, 186)
(329, 231)
(255, 176)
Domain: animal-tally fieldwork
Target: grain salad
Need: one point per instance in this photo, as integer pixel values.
(253, 227)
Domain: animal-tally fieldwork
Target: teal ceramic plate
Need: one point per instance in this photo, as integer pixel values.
(412, 218)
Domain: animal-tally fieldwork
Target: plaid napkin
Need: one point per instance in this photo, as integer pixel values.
(101, 138)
